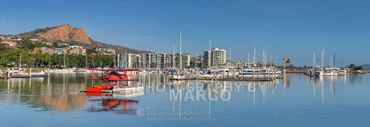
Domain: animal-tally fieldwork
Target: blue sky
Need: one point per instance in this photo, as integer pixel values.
(285, 28)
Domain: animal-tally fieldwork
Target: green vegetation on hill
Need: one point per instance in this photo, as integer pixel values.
(11, 58)
(28, 44)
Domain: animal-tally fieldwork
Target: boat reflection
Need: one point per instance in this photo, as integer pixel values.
(61, 93)
(116, 103)
(331, 83)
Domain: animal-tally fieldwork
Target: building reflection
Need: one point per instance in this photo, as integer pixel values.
(60, 93)
(187, 92)
(257, 91)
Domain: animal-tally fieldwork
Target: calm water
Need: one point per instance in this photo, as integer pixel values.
(296, 101)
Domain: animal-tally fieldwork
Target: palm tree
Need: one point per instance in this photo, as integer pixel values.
(286, 62)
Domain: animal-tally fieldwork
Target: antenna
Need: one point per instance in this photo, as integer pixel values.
(248, 58)
(230, 55)
(210, 45)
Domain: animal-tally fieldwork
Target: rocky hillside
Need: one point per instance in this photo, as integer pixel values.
(69, 34)
(62, 33)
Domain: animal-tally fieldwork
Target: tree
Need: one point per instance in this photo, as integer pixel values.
(286, 62)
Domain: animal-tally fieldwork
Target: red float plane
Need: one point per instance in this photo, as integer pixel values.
(110, 76)
(116, 74)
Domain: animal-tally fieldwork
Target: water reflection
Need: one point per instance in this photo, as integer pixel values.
(45, 94)
(112, 103)
(330, 83)
(61, 92)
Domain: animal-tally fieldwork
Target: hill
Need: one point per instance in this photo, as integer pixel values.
(66, 33)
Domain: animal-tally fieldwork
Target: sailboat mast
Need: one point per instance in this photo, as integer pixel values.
(263, 58)
(86, 61)
(322, 58)
(254, 56)
(64, 60)
(180, 54)
(248, 58)
(331, 61)
(125, 59)
(334, 60)
(20, 60)
(173, 56)
(313, 61)
(49, 61)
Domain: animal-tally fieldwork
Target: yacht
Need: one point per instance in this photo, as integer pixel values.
(127, 89)
(175, 74)
(220, 73)
(39, 74)
(63, 70)
(16, 73)
(329, 72)
(257, 72)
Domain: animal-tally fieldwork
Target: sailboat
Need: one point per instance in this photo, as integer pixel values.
(16, 73)
(179, 74)
(313, 71)
(82, 70)
(332, 70)
(64, 69)
(39, 74)
(255, 72)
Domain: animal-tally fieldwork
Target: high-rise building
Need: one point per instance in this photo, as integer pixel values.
(206, 59)
(146, 60)
(128, 60)
(196, 61)
(167, 60)
(164, 60)
(185, 60)
(213, 58)
(152, 60)
(133, 61)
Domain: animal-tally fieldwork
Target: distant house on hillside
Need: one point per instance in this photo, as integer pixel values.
(34, 39)
(63, 44)
(36, 50)
(80, 50)
(105, 51)
(59, 51)
(9, 43)
(47, 43)
(47, 50)
(15, 39)
(5, 38)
